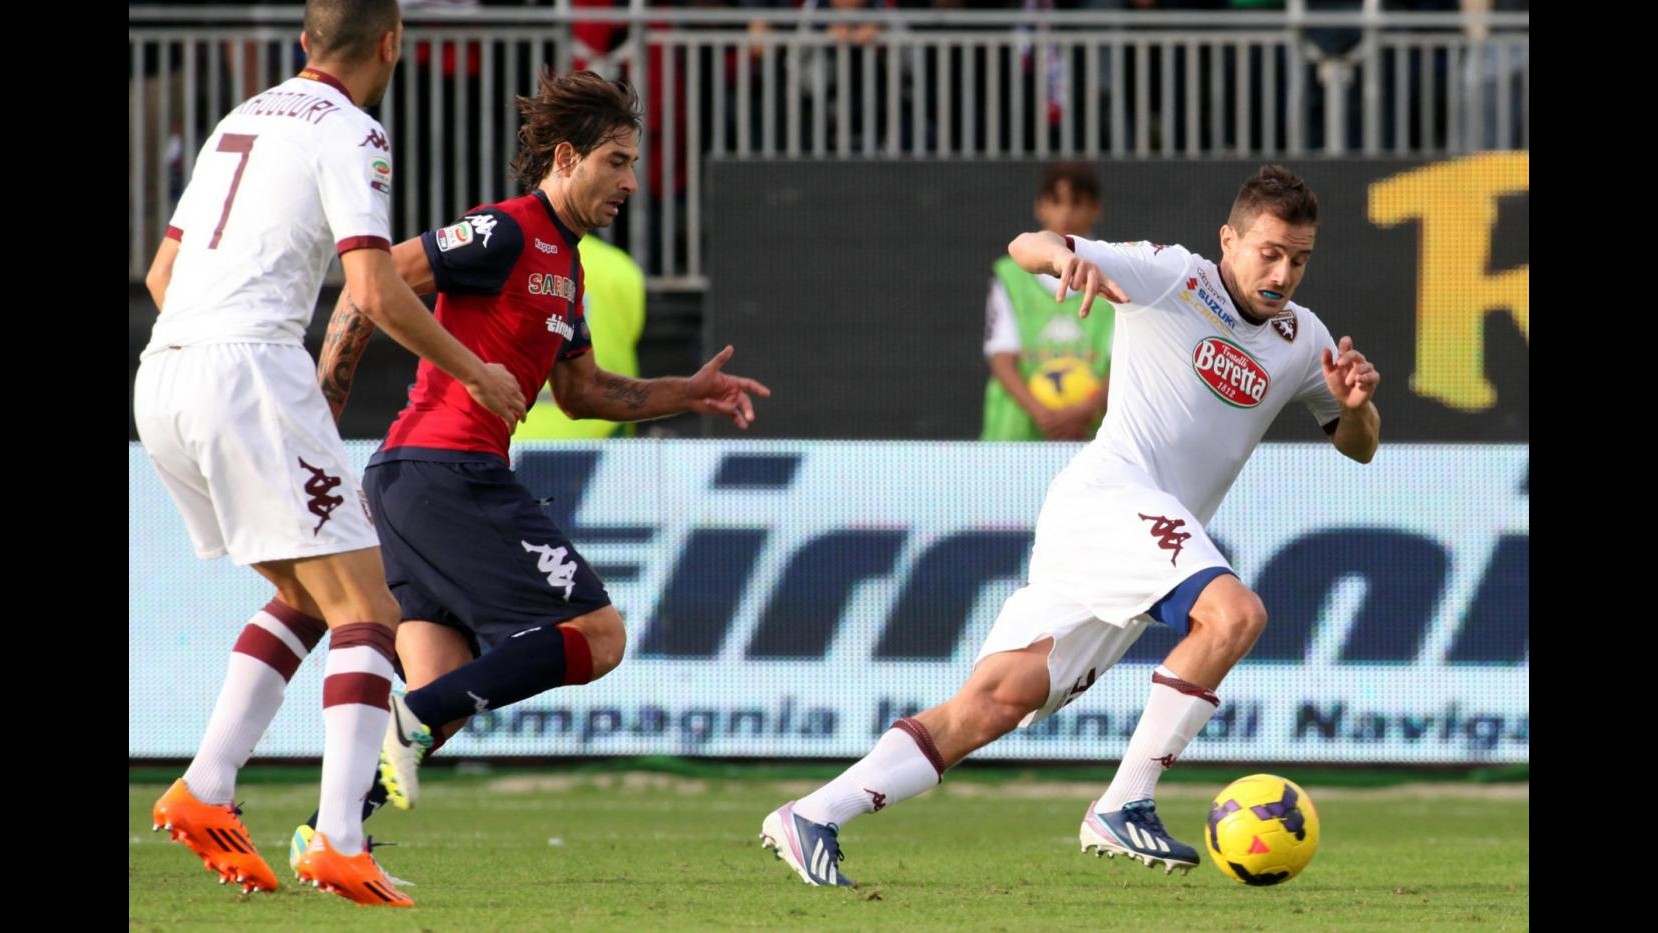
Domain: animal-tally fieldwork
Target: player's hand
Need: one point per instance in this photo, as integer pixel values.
(1079, 275)
(715, 393)
(1351, 378)
(497, 390)
(1066, 424)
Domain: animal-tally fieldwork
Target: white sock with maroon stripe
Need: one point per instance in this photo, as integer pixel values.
(355, 690)
(902, 765)
(267, 653)
(1175, 713)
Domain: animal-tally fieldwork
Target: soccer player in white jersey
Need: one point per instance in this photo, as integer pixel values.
(1205, 356)
(228, 408)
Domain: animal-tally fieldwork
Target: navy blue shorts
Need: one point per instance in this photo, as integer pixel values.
(466, 546)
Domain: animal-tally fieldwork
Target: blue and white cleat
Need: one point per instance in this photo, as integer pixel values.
(811, 849)
(1135, 831)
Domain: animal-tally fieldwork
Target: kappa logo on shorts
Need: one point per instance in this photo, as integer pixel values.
(560, 572)
(318, 488)
(1171, 538)
(1080, 687)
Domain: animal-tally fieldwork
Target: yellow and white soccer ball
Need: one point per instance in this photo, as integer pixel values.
(1063, 381)
(1262, 830)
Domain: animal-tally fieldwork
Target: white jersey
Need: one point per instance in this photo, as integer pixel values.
(287, 180)
(1194, 385)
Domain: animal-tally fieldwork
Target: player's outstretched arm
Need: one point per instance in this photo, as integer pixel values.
(380, 292)
(583, 390)
(1352, 380)
(1039, 252)
(1045, 252)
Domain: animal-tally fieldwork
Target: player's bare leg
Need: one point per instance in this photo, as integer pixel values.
(426, 651)
(199, 809)
(1224, 623)
(909, 759)
(349, 589)
(529, 663)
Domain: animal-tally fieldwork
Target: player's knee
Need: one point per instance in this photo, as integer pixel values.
(1236, 624)
(608, 650)
(1252, 621)
(607, 641)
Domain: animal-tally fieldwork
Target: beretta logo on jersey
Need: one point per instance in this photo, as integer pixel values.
(1229, 372)
(453, 237)
(379, 175)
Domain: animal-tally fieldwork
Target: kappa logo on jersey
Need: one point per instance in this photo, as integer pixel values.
(560, 572)
(483, 225)
(453, 237)
(550, 249)
(1285, 324)
(548, 283)
(318, 488)
(1229, 372)
(1168, 534)
(376, 139)
(379, 175)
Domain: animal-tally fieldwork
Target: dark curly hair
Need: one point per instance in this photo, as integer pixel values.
(581, 109)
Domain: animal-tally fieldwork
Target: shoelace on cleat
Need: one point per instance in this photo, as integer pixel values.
(834, 833)
(1146, 816)
(368, 846)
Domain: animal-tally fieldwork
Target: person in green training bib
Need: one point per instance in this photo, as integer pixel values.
(1048, 367)
(615, 310)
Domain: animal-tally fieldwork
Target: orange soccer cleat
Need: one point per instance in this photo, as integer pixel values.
(216, 835)
(357, 878)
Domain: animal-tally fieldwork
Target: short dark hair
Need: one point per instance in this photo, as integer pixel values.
(1079, 176)
(348, 30)
(1277, 191)
(581, 109)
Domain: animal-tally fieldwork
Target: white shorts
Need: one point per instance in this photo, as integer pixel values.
(1107, 550)
(247, 448)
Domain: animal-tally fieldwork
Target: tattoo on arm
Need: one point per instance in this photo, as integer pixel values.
(631, 393)
(348, 334)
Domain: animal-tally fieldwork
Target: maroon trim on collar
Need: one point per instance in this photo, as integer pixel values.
(312, 74)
